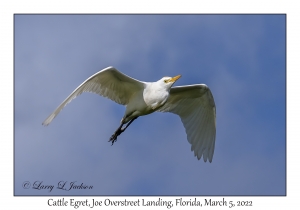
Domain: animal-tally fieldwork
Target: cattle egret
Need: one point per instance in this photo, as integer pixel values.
(193, 103)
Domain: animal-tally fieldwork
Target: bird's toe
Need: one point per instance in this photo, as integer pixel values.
(113, 138)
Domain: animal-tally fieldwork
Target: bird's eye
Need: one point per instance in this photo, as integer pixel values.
(165, 80)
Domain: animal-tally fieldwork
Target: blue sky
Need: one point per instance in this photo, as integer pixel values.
(242, 58)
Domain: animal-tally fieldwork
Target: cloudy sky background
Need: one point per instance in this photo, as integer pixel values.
(240, 57)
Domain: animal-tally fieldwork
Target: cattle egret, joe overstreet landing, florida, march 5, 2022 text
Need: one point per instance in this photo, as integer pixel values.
(193, 103)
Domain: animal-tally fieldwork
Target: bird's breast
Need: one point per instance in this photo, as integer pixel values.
(155, 99)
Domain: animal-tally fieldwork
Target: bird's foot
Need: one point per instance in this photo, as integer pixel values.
(114, 137)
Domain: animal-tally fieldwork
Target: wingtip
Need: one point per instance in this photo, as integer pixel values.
(44, 124)
(204, 159)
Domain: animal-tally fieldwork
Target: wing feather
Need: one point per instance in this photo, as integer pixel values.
(196, 107)
(109, 83)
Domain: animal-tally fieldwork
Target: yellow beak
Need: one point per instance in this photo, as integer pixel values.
(173, 79)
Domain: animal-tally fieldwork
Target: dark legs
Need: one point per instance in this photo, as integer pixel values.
(120, 130)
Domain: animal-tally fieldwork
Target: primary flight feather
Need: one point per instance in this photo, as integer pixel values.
(193, 103)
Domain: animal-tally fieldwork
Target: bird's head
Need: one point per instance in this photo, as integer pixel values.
(168, 81)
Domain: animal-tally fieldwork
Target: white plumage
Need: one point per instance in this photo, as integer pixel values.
(193, 103)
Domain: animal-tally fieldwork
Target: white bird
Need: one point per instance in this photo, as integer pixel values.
(193, 103)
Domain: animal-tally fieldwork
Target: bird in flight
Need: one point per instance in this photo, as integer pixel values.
(193, 103)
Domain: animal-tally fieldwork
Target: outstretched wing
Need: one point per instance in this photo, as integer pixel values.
(109, 83)
(196, 107)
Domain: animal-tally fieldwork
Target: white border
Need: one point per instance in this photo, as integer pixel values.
(8, 8)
